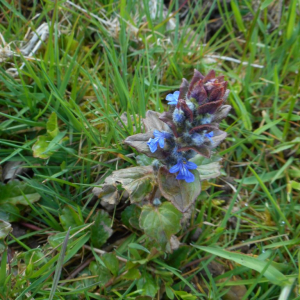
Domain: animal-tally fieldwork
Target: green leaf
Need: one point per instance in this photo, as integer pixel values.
(265, 4)
(69, 218)
(40, 146)
(143, 160)
(52, 127)
(5, 229)
(132, 274)
(15, 192)
(35, 257)
(46, 144)
(270, 272)
(181, 193)
(111, 263)
(148, 285)
(104, 275)
(207, 167)
(130, 216)
(160, 223)
(101, 230)
(178, 256)
(9, 212)
(185, 295)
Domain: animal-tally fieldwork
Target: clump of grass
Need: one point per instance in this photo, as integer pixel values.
(87, 78)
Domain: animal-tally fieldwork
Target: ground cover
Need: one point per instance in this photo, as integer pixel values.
(68, 73)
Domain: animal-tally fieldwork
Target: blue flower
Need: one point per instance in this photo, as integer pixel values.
(178, 116)
(173, 98)
(197, 139)
(159, 138)
(207, 119)
(183, 166)
(209, 136)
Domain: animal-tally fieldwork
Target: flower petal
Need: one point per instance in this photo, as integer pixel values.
(190, 165)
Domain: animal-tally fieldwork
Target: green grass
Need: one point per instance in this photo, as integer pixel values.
(88, 73)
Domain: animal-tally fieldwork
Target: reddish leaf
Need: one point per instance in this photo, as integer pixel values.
(220, 78)
(187, 111)
(183, 88)
(200, 128)
(211, 75)
(199, 93)
(197, 76)
(210, 107)
(216, 94)
(168, 119)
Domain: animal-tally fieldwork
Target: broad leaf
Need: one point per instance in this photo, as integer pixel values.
(269, 271)
(160, 223)
(69, 218)
(5, 229)
(130, 216)
(148, 285)
(139, 142)
(179, 192)
(104, 275)
(9, 212)
(16, 192)
(101, 230)
(137, 181)
(40, 146)
(207, 167)
(111, 263)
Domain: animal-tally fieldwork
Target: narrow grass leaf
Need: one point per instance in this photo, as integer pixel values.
(270, 272)
(59, 265)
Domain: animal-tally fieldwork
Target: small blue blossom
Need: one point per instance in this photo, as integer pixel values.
(190, 105)
(159, 138)
(173, 98)
(178, 116)
(210, 135)
(197, 139)
(207, 119)
(183, 166)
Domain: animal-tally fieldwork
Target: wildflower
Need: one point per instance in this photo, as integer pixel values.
(178, 116)
(183, 166)
(209, 136)
(197, 139)
(207, 119)
(173, 98)
(159, 138)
